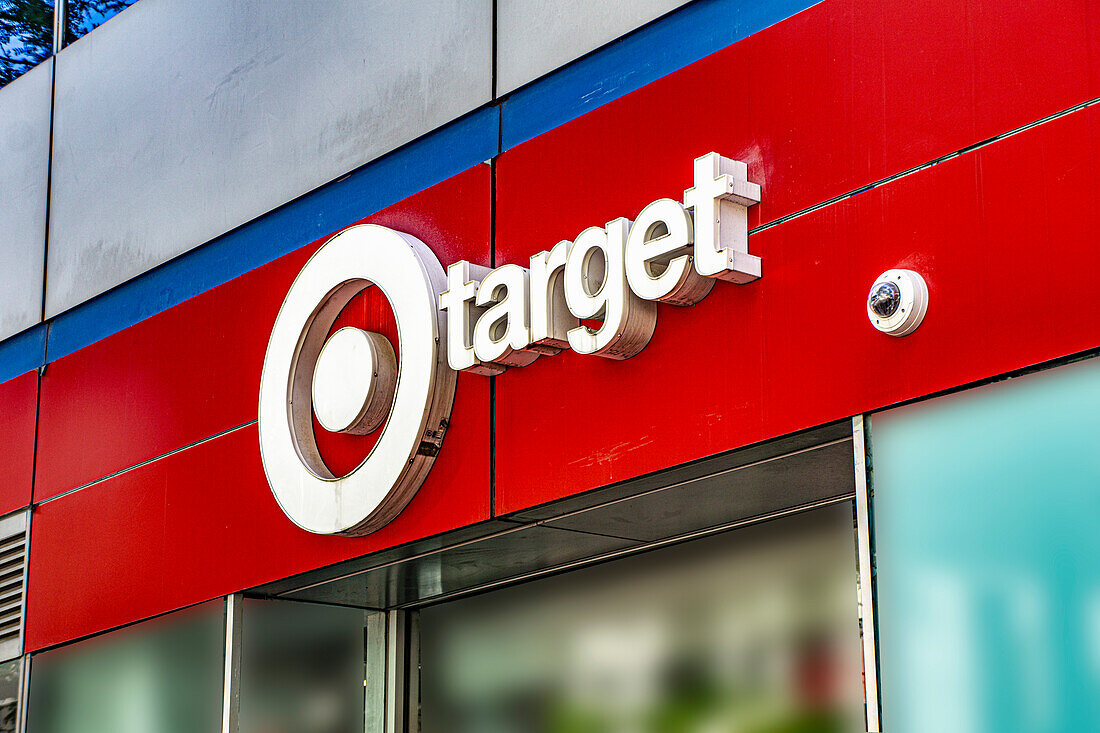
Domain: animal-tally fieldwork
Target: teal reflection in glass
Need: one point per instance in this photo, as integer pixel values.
(986, 506)
(161, 676)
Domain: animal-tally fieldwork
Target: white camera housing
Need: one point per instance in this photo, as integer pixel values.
(912, 302)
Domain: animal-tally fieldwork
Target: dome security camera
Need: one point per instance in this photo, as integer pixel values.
(897, 302)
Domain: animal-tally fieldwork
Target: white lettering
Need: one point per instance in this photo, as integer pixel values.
(658, 256)
(720, 201)
(596, 289)
(550, 316)
(598, 294)
(458, 301)
(501, 334)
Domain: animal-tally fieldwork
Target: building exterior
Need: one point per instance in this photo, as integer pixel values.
(764, 492)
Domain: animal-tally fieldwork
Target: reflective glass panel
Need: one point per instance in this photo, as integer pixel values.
(160, 676)
(302, 668)
(9, 696)
(985, 510)
(85, 15)
(26, 36)
(753, 631)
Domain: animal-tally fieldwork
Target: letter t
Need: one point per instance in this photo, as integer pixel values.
(720, 200)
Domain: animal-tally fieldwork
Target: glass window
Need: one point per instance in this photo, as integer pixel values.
(302, 668)
(985, 515)
(26, 36)
(84, 15)
(160, 676)
(9, 695)
(753, 631)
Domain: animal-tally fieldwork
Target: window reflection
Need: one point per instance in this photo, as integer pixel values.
(301, 668)
(159, 676)
(85, 15)
(754, 631)
(986, 545)
(26, 36)
(9, 696)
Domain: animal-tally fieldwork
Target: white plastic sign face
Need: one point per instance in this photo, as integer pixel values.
(613, 275)
(596, 295)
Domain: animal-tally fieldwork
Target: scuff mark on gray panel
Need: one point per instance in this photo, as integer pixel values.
(24, 165)
(534, 37)
(178, 121)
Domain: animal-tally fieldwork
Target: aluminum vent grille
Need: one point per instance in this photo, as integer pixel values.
(13, 566)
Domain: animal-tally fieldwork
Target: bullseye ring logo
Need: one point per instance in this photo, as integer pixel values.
(353, 384)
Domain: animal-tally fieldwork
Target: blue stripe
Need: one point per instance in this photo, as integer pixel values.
(424, 163)
(660, 48)
(667, 45)
(23, 352)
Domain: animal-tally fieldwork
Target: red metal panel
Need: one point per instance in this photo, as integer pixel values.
(202, 523)
(18, 411)
(829, 100)
(1005, 237)
(841, 95)
(838, 96)
(745, 364)
(193, 370)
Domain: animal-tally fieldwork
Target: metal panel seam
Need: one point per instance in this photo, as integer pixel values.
(928, 164)
(23, 352)
(146, 462)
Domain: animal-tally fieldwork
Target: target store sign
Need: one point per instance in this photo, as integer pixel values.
(596, 294)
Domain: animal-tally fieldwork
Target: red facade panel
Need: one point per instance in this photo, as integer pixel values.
(836, 97)
(794, 349)
(202, 523)
(18, 409)
(828, 101)
(194, 370)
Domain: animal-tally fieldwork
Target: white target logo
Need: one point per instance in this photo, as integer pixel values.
(353, 383)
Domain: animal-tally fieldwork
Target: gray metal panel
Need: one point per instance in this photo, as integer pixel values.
(179, 120)
(495, 559)
(536, 36)
(24, 169)
(392, 556)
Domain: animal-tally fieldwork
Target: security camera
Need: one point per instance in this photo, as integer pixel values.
(897, 302)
